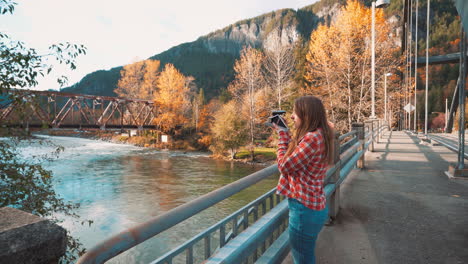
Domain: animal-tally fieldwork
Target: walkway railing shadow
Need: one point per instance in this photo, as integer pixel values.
(254, 233)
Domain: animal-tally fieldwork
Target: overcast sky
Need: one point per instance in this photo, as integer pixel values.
(118, 32)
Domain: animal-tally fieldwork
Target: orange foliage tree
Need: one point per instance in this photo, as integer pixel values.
(138, 80)
(172, 99)
(338, 66)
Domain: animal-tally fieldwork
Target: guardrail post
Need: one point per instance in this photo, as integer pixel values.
(377, 127)
(371, 134)
(335, 197)
(360, 133)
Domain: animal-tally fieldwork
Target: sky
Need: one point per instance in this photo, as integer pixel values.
(119, 32)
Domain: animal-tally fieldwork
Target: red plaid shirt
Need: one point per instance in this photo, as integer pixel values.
(303, 172)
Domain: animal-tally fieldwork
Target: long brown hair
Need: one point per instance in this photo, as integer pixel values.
(311, 112)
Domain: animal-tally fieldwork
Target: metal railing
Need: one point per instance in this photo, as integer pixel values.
(352, 149)
(239, 220)
(451, 144)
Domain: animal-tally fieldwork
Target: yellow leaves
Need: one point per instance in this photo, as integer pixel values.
(172, 87)
(338, 61)
(138, 80)
(354, 20)
(171, 98)
(169, 89)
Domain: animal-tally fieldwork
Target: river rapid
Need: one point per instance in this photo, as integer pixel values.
(119, 186)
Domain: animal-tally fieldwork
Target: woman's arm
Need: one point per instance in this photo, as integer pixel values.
(283, 143)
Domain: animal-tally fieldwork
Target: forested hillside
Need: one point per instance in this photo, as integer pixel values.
(210, 58)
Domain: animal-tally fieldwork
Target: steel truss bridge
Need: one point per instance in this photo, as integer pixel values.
(29, 108)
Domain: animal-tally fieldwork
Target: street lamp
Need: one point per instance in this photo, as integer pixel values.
(378, 4)
(427, 66)
(416, 73)
(385, 95)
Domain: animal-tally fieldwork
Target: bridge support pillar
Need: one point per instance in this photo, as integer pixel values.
(140, 131)
(359, 128)
(334, 203)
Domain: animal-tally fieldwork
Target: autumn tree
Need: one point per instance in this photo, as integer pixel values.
(229, 130)
(279, 66)
(248, 81)
(338, 62)
(138, 80)
(172, 98)
(198, 104)
(206, 122)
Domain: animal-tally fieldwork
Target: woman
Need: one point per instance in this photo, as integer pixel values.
(303, 161)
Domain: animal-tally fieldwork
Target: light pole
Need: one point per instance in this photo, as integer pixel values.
(385, 94)
(446, 115)
(378, 4)
(427, 66)
(416, 72)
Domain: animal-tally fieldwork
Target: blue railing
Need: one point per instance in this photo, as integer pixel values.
(451, 144)
(237, 222)
(259, 225)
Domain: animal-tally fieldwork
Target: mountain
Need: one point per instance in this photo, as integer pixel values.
(210, 58)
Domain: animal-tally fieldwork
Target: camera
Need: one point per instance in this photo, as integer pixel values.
(276, 118)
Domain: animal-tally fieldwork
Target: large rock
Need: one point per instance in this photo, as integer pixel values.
(26, 238)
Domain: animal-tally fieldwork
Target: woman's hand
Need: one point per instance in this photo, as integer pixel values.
(281, 128)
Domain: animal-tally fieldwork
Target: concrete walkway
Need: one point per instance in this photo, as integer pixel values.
(401, 209)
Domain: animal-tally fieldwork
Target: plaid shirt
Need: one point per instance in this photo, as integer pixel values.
(303, 172)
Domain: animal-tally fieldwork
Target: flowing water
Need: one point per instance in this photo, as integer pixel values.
(119, 186)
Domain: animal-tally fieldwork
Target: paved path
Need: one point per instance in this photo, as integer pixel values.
(400, 209)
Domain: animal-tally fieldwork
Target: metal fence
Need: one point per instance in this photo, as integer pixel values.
(260, 222)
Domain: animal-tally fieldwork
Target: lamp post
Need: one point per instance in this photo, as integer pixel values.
(427, 66)
(446, 115)
(385, 94)
(416, 72)
(378, 4)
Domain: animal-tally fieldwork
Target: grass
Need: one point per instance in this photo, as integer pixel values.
(263, 153)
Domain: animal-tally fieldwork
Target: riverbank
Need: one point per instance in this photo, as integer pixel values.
(263, 156)
(146, 141)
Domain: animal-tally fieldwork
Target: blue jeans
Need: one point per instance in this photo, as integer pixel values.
(304, 227)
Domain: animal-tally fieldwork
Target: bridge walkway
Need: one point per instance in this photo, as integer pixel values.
(401, 209)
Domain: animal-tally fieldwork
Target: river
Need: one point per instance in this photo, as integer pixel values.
(119, 186)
